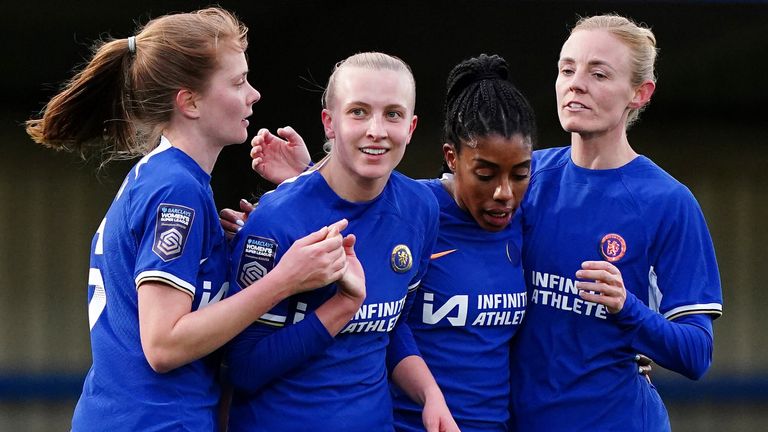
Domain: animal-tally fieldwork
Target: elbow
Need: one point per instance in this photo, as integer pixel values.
(160, 360)
(697, 371)
(699, 364)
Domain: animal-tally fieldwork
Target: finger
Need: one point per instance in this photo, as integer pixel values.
(314, 237)
(257, 151)
(290, 135)
(643, 360)
(339, 264)
(333, 231)
(612, 303)
(330, 244)
(267, 136)
(598, 275)
(231, 216)
(341, 224)
(257, 139)
(600, 265)
(349, 244)
(246, 207)
(599, 288)
(229, 228)
(257, 166)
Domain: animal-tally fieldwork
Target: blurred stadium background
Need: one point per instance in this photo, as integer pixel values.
(706, 126)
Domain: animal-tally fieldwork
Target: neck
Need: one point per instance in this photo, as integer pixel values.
(448, 183)
(594, 151)
(204, 154)
(349, 186)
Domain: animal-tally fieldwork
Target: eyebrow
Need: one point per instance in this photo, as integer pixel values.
(524, 164)
(590, 63)
(367, 105)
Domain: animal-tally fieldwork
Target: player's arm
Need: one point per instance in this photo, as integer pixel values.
(413, 376)
(172, 335)
(263, 353)
(683, 345)
(409, 372)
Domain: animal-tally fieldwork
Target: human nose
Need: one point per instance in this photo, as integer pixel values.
(255, 95)
(504, 191)
(578, 82)
(376, 130)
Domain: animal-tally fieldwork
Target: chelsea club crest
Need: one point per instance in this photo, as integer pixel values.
(613, 247)
(401, 259)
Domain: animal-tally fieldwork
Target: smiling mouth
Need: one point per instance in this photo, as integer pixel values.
(373, 151)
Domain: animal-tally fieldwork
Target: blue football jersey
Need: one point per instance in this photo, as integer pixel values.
(573, 365)
(162, 226)
(466, 311)
(341, 384)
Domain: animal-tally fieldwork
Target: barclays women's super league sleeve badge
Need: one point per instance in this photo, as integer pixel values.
(613, 247)
(401, 259)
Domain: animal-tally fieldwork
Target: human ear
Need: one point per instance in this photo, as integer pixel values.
(186, 102)
(449, 153)
(411, 128)
(642, 95)
(328, 124)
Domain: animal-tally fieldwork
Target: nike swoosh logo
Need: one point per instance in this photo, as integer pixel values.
(437, 255)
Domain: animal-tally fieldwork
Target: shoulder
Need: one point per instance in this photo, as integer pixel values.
(650, 183)
(285, 208)
(168, 170)
(167, 179)
(295, 192)
(548, 159)
(433, 185)
(413, 194)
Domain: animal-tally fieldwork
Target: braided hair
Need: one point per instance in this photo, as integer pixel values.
(481, 100)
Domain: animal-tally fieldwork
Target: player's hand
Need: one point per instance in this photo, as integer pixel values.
(315, 260)
(352, 283)
(437, 417)
(231, 220)
(604, 285)
(644, 366)
(280, 157)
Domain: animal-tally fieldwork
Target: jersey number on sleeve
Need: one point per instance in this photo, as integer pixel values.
(99, 299)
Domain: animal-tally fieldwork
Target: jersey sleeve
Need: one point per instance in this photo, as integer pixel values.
(684, 345)
(273, 345)
(684, 274)
(169, 233)
(263, 352)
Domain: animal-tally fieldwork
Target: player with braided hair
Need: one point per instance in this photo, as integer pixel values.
(472, 300)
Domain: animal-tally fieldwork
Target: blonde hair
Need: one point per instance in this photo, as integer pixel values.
(118, 104)
(371, 61)
(641, 43)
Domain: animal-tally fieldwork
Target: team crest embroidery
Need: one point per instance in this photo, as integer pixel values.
(172, 230)
(401, 260)
(258, 258)
(613, 247)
